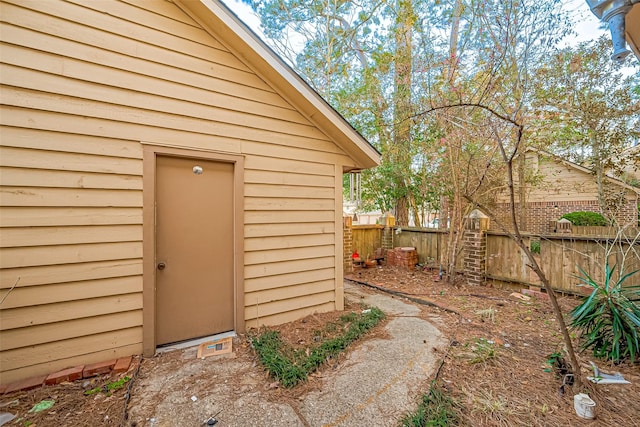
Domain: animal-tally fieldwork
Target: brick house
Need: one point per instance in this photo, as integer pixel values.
(562, 187)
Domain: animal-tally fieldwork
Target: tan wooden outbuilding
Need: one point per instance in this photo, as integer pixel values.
(165, 176)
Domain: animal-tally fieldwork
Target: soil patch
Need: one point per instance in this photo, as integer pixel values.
(496, 366)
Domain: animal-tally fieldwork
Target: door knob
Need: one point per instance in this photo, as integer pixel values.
(161, 265)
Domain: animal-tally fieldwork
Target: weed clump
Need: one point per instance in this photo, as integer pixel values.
(437, 409)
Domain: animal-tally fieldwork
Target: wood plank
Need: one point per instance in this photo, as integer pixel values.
(33, 256)
(44, 120)
(270, 243)
(45, 368)
(276, 307)
(21, 357)
(288, 292)
(280, 268)
(286, 178)
(64, 197)
(134, 33)
(164, 8)
(36, 335)
(132, 15)
(43, 236)
(41, 159)
(287, 165)
(61, 292)
(290, 217)
(44, 216)
(121, 87)
(89, 108)
(288, 191)
(189, 74)
(277, 204)
(300, 151)
(279, 255)
(271, 230)
(43, 275)
(24, 177)
(289, 316)
(289, 279)
(60, 312)
(69, 142)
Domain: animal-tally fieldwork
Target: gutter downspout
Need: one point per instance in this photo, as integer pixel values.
(613, 12)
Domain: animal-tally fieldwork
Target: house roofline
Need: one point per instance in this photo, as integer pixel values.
(217, 19)
(584, 169)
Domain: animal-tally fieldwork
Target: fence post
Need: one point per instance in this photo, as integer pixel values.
(475, 247)
(387, 231)
(347, 244)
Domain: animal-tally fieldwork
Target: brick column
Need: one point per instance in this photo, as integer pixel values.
(475, 247)
(347, 244)
(388, 231)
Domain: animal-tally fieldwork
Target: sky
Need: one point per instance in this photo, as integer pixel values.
(587, 25)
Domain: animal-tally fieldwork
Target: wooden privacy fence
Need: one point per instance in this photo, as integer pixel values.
(560, 256)
(430, 243)
(366, 239)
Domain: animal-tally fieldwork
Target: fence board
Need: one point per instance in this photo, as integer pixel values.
(366, 239)
(505, 260)
(430, 243)
(584, 230)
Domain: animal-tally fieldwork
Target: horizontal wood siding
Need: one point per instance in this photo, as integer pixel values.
(84, 85)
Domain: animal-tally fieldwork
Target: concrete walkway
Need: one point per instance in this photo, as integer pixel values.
(379, 381)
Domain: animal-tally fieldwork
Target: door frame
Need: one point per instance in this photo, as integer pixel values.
(149, 154)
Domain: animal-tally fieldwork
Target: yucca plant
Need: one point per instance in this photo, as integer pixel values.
(609, 318)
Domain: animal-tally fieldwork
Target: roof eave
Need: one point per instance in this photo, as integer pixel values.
(216, 18)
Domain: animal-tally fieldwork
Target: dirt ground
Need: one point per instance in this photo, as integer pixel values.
(494, 367)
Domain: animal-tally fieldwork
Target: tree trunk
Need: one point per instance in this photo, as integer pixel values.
(522, 195)
(402, 107)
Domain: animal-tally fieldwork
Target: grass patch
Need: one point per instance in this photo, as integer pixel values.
(290, 366)
(437, 409)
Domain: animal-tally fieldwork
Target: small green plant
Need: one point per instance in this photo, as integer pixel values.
(586, 218)
(483, 351)
(109, 387)
(535, 246)
(609, 318)
(291, 367)
(553, 360)
(437, 409)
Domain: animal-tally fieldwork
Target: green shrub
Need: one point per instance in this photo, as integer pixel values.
(609, 318)
(585, 218)
(535, 246)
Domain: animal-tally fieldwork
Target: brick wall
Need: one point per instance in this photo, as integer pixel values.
(475, 250)
(388, 232)
(347, 243)
(540, 214)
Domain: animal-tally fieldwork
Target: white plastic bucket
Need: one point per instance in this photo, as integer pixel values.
(585, 407)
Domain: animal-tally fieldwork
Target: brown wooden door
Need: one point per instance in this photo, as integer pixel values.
(194, 249)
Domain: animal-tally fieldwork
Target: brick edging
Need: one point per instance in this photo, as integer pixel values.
(113, 366)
